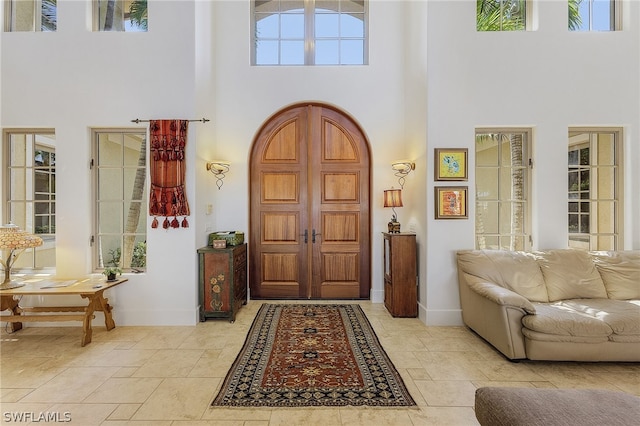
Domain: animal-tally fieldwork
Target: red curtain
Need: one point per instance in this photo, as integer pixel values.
(168, 196)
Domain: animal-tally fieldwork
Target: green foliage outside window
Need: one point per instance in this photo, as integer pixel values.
(575, 21)
(122, 15)
(510, 15)
(138, 14)
(501, 15)
(139, 259)
(49, 15)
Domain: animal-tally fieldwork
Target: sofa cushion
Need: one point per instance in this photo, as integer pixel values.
(570, 274)
(623, 316)
(559, 319)
(620, 272)
(585, 320)
(516, 271)
(563, 338)
(624, 339)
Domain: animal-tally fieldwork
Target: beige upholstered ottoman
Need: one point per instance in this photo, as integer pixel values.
(506, 406)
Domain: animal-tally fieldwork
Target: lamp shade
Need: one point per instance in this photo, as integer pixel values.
(14, 241)
(12, 237)
(393, 198)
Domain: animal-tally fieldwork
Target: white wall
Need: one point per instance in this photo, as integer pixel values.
(414, 216)
(243, 97)
(75, 79)
(549, 79)
(431, 80)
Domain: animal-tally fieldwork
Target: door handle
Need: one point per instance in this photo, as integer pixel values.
(306, 236)
(313, 236)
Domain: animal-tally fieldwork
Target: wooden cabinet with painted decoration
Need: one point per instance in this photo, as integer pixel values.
(222, 281)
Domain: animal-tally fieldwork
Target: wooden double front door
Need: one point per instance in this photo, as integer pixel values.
(309, 207)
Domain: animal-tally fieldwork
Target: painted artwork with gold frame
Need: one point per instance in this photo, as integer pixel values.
(451, 202)
(451, 163)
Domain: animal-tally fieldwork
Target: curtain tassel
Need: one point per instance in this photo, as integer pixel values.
(154, 224)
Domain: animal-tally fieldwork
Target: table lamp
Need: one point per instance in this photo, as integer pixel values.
(393, 199)
(14, 241)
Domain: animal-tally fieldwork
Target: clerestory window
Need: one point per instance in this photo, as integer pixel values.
(30, 15)
(309, 32)
(594, 15)
(503, 15)
(120, 15)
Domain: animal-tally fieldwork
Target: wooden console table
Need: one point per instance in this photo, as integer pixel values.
(86, 288)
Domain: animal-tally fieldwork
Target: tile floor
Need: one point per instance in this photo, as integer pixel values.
(169, 375)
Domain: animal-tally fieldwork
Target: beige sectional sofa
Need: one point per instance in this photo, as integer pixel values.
(564, 304)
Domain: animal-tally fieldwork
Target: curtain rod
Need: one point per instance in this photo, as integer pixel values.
(137, 120)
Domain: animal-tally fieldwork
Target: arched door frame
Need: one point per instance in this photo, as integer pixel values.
(271, 125)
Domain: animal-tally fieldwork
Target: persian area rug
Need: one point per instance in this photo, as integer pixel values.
(305, 355)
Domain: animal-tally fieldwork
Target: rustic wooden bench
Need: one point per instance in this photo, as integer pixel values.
(88, 289)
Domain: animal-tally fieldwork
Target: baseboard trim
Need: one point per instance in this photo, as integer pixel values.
(154, 318)
(443, 317)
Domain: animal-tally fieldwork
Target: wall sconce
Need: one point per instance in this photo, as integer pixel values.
(402, 168)
(393, 199)
(219, 170)
(14, 242)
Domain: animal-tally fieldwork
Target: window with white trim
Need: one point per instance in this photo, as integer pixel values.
(309, 32)
(503, 15)
(594, 180)
(120, 15)
(30, 15)
(120, 198)
(502, 218)
(594, 15)
(30, 173)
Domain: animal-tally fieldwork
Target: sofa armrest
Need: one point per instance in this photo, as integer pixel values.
(495, 313)
(502, 296)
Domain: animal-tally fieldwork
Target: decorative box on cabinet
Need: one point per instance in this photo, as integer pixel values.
(223, 281)
(400, 270)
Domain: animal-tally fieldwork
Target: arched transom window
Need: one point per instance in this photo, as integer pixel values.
(309, 32)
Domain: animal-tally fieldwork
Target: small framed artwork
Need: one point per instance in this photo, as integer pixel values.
(451, 202)
(451, 163)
